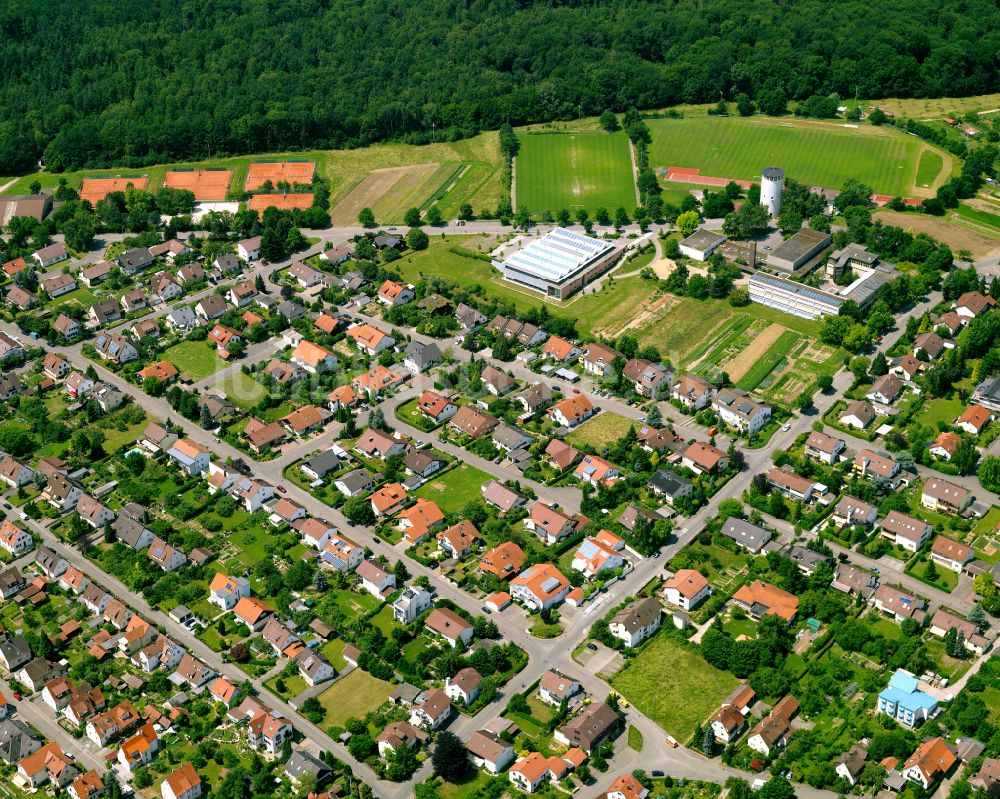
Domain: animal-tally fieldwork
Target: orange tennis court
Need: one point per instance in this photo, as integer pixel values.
(207, 184)
(283, 202)
(291, 172)
(94, 189)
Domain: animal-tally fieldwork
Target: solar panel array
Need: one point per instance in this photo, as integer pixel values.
(557, 255)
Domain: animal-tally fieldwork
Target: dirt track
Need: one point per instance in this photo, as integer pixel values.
(742, 363)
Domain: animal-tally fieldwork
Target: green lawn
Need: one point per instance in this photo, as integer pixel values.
(574, 170)
(251, 541)
(356, 603)
(886, 628)
(384, 620)
(946, 579)
(353, 696)
(196, 358)
(601, 311)
(115, 438)
(674, 686)
(294, 686)
(334, 651)
(930, 166)
(242, 390)
(602, 429)
(455, 488)
(940, 410)
(409, 414)
(985, 532)
(468, 789)
(83, 296)
(817, 154)
(635, 738)
(943, 664)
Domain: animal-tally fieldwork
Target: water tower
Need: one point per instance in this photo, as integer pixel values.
(772, 181)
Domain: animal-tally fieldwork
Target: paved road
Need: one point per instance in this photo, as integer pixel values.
(542, 654)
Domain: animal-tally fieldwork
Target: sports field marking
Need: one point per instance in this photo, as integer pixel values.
(574, 170)
(814, 153)
(207, 184)
(96, 189)
(291, 172)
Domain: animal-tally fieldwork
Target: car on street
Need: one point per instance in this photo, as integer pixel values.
(786, 427)
(592, 646)
(656, 773)
(576, 391)
(17, 696)
(376, 539)
(282, 489)
(656, 554)
(486, 610)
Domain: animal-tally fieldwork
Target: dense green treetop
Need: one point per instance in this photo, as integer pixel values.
(129, 82)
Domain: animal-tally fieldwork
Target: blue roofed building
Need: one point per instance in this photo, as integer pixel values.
(904, 701)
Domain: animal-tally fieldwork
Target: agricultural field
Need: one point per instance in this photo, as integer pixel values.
(602, 429)
(574, 170)
(936, 107)
(454, 173)
(673, 686)
(390, 178)
(957, 231)
(979, 217)
(761, 349)
(815, 153)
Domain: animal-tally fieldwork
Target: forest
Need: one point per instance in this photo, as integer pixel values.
(130, 83)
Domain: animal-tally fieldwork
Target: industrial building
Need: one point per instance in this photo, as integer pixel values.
(797, 251)
(560, 263)
(701, 244)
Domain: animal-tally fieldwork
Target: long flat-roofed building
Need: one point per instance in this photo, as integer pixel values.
(792, 297)
(799, 250)
(559, 263)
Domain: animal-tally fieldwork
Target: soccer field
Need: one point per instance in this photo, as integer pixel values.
(814, 153)
(574, 170)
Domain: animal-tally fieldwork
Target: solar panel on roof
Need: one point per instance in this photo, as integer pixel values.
(549, 584)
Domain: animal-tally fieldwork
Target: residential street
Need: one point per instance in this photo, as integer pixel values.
(542, 654)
